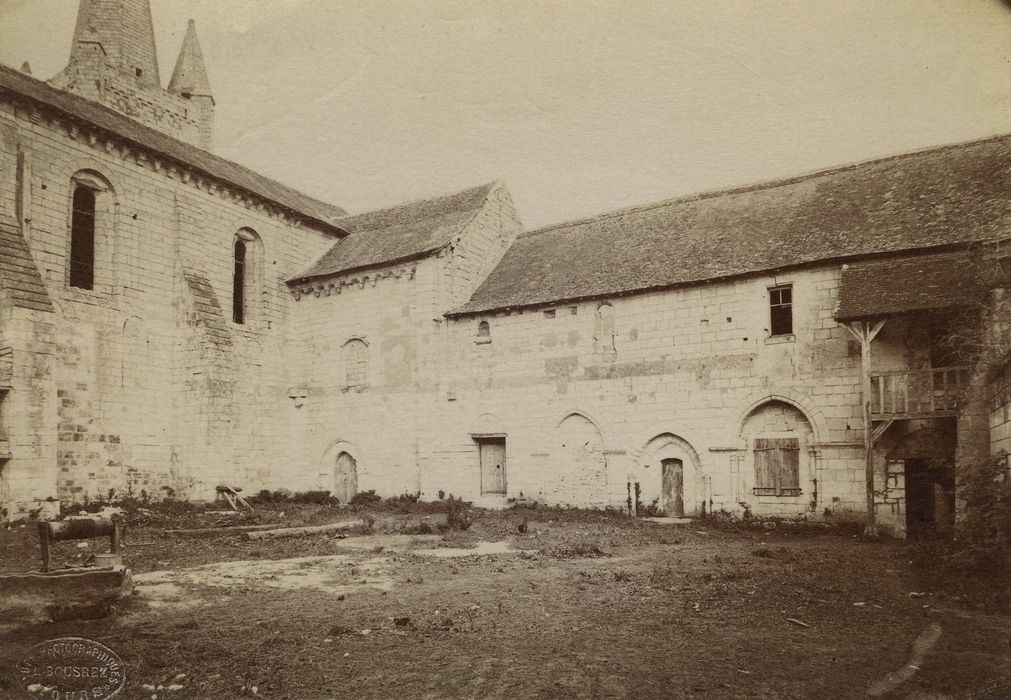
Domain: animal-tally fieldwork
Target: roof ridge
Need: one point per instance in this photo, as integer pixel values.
(763, 185)
(419, 200)
(113, 114)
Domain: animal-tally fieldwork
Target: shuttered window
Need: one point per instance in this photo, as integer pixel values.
(777, 467)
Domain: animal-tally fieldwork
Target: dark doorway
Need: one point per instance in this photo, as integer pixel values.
(673, 487)
(930, 498)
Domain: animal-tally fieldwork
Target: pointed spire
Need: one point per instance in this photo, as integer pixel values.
(189, 78)
(26, 67)
(121, 33)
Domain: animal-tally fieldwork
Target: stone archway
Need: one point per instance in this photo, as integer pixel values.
(579, 475)
(339, 470)
(669, 472)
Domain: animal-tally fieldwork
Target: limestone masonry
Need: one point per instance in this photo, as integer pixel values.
(171, 321)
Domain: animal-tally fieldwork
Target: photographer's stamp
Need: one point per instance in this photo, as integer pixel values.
(72, 668)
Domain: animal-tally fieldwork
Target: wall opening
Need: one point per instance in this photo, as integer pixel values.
(82, 238)
(239, 282)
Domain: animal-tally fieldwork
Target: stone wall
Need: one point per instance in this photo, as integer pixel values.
(388, 424)
(147, 397)
(689, 373)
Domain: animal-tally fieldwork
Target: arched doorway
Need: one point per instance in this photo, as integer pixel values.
(670, 475)
(345, 477)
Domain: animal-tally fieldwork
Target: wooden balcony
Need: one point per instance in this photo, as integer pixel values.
(929, 393)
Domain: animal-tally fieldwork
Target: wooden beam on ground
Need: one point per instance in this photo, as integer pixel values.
(229, 530)
(296, 531)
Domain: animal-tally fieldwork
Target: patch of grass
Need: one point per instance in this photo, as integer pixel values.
(576, 550)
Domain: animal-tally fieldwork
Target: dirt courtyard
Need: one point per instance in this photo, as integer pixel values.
(581, 605)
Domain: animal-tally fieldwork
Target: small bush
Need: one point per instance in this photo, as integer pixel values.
(651, 511)
(366, 498)
(458, 516)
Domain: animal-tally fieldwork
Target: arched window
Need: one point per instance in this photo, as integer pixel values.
(82, 238)
(778, 434)
(483, 330)
(239, 282)
(356, 363)
(246, 265)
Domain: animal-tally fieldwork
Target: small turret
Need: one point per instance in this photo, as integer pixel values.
(189, 80)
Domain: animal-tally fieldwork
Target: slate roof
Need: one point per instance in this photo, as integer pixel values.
(906, 286)
(19, 276)
(404, 232)
(12, 81)
(926, 199)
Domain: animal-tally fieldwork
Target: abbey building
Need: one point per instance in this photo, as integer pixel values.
(171, 321)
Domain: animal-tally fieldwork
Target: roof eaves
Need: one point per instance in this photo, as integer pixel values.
(50, 105)
(468, 310)
(301, 278)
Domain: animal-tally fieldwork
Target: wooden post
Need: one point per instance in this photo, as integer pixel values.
(865, 333)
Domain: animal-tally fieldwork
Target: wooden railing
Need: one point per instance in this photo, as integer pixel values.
(920, 393)
(6, 366)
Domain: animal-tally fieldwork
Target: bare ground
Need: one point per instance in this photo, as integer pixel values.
(582, 605)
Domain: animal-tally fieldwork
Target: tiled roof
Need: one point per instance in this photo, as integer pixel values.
(404, 232)
(908, 285)
(920, 200)
(19, 276)
(13, 81)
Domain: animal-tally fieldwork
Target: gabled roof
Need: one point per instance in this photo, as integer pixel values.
(920, 200)
(19, 276)
(899, 287)
(404, 232)
(12, 81)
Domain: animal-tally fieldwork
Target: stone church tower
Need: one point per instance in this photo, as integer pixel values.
(113, 61)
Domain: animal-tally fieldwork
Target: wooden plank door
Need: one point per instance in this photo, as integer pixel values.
(673, 487)
(493, 466)
(345, 477)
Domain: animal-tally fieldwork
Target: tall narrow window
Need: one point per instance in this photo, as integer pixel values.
(82, 239)
(781, 310)
(239, 283)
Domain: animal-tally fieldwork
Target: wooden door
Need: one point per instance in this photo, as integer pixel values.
(673, 487)
(493, 459)
(345, 477)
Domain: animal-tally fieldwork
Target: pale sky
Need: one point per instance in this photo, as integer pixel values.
(580, 107)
